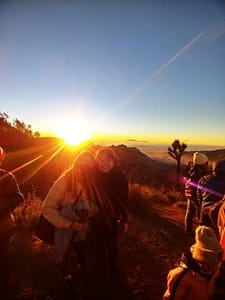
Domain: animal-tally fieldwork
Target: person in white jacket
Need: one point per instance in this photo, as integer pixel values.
(68, 206)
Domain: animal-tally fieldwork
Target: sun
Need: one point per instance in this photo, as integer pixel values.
(74, 132)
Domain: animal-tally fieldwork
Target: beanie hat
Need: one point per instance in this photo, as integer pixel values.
(207, 248)
(2, 154)
(199, 158)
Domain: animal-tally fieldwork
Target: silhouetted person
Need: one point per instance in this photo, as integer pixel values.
(211, 189)
(198, 169)
(109, 224)
(10, 198)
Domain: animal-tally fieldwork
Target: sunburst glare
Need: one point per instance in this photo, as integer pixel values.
(74, 132)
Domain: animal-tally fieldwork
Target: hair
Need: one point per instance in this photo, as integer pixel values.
(109, 153)
(71, 174)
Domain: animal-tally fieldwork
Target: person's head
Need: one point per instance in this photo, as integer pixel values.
(84, 163)
(81, 170)
(2, 155)
(219, 169)
(105, 160)
(200, 159)
(206, 250)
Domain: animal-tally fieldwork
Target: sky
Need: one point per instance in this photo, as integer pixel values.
(150, 71)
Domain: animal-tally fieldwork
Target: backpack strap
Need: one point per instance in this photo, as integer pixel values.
(178, 280)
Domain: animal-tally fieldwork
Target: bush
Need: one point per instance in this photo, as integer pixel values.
(27, 214)
(161, 195)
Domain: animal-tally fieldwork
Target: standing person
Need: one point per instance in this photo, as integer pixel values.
(10, 198)
(198, 169)
(200, 271)
(68, 206)
(211, 189)
(112, 219)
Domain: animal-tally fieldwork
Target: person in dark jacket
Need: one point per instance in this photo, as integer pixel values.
(198, 169)
(112, 187)
(211, 189)
(10, 198)
(110, 223)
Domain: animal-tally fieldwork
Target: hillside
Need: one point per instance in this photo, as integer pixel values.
(37, 162)
(10, 136)
(38, 165)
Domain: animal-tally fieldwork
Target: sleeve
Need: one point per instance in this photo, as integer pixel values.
(123, 201)
(11, 197)
(182, 287)
(221, 218)
(199, 192)
(191, 189)
(52, 203)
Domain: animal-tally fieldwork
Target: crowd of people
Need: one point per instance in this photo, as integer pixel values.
(200, 274)
(88, 207)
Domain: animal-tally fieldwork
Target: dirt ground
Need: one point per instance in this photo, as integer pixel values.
(149, 250)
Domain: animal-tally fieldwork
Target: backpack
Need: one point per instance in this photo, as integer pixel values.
(219, 287)
(210, 215)
(175, 286)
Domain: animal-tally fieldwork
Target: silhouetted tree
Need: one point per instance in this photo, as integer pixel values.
(176, 151)
(4, 117)
(37, 134)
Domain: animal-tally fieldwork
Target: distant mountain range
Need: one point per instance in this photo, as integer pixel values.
(141, 165)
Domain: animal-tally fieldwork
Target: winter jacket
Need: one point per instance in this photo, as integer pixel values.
(193, 285)
(211, 189)
(61, 209)
(54, 201)
(112, 195)
(10, 198)
(64, 236)
(191, 182)
(57, 198)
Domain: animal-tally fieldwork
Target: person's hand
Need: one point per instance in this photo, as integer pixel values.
(76, 226)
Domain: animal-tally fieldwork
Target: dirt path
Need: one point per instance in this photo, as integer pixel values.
(151, 247)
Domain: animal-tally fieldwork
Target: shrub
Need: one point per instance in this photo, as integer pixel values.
(161, 195)
(27, 214)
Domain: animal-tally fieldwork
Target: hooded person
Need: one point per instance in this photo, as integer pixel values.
(199, 269)
(10, 198)
(198, 169)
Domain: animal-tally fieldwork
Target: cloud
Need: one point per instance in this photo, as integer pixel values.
(134, 140)
(136, 92)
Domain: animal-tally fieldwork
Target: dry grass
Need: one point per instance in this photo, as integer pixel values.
(161, 195)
